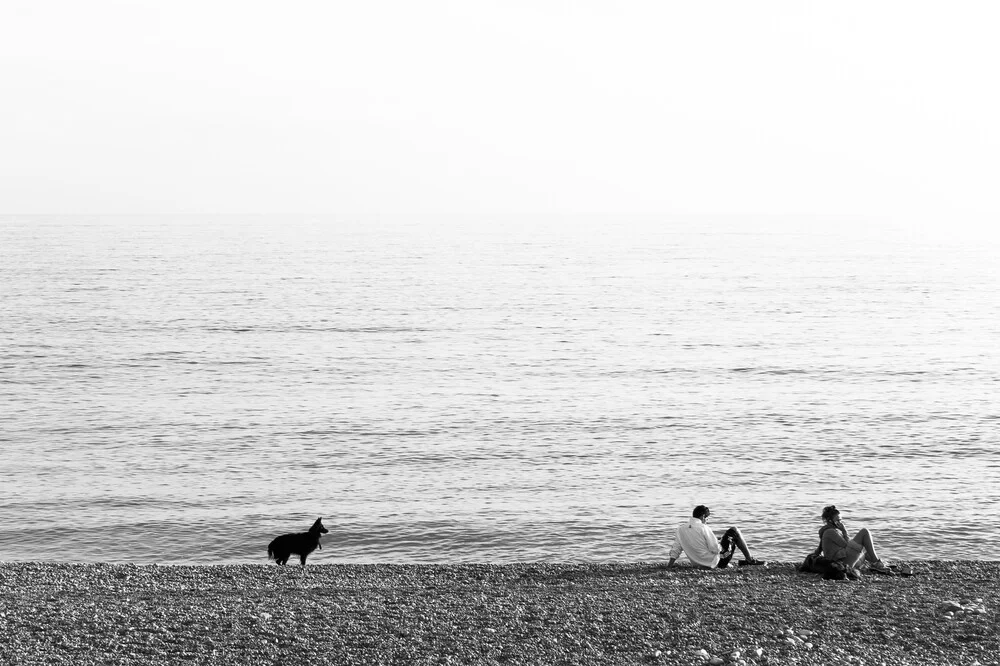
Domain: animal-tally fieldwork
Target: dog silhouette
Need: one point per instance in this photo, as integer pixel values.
(300, 544)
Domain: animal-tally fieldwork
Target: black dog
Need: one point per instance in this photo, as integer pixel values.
(301, 544)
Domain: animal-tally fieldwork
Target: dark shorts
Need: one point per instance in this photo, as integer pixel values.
(728, 545)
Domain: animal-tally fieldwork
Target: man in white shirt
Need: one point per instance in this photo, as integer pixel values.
(697, 540)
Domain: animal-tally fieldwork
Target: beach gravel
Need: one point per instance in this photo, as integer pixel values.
(625, 613)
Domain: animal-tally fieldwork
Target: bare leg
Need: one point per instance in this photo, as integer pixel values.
(864, 538)
(733, 537)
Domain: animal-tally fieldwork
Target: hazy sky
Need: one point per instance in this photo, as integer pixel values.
(520, 106)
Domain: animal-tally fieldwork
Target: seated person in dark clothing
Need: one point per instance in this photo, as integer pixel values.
(848, 551)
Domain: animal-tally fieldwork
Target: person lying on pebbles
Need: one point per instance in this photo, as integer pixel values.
(702, 547)
(848, 551)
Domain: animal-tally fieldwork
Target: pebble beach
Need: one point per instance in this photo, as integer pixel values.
(538, 613)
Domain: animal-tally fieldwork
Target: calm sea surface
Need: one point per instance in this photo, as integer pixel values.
(181, 390)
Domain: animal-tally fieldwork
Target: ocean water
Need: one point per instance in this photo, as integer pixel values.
(183, 389)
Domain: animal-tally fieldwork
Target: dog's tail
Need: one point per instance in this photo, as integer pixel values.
(270, 550)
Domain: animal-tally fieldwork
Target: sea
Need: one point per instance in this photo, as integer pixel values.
(448, 389)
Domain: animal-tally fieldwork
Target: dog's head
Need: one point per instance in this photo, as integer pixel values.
(318, 527)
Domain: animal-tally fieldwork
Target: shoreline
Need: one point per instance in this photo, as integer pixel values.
(579, 613)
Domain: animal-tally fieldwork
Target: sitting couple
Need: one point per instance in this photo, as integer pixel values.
(705, 551)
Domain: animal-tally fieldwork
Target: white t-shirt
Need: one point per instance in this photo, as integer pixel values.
(698, 541)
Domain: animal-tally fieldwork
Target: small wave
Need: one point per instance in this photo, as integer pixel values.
(650, 371)
(317, 329)
(362, 432)
(776, 371)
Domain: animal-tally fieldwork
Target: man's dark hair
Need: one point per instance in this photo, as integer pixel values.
(700, 511)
